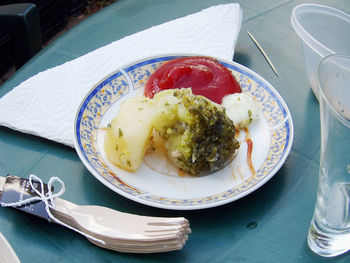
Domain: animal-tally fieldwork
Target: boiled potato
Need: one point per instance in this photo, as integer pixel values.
(128, 134)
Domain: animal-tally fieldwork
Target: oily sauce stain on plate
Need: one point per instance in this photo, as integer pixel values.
(249, 142)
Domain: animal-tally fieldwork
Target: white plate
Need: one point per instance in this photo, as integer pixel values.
(153, 184)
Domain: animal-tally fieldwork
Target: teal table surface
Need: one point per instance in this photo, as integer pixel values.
(269, 225)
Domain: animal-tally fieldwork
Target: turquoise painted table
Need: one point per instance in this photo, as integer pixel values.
(269, 225)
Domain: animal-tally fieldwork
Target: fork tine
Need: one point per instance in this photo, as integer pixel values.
(166, 235)
(167, 230)
(164, 228)
(167, 220)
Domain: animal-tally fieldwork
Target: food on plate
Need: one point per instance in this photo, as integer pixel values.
(201, 138)
(198, 136)
(182, 112)
(128, 134)
(204, 75)
(241, 109)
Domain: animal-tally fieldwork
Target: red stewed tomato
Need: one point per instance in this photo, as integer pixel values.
(205, 75)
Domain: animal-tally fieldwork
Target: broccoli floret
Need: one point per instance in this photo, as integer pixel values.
(202, 139)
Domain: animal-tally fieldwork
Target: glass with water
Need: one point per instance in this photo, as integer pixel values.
(329, 232)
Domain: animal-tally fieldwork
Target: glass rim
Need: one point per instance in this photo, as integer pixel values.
(336, 113)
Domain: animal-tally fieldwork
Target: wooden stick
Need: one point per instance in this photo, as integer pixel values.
(263, 52)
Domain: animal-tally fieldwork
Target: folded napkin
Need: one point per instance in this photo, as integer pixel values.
(45, 104)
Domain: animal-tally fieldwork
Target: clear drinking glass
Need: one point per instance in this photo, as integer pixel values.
(329, 232)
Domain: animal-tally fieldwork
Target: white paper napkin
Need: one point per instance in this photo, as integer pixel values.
(45, 104)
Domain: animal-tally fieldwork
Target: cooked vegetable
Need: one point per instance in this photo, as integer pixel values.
(129, 132)
(241, 109)
(202, 138)
(198, 135)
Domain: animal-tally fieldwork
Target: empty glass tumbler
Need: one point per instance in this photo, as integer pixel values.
(329, 232)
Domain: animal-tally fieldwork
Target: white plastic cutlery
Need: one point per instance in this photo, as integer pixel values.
(120, 231)
(107, 222)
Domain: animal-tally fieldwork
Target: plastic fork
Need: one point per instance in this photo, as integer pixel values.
(111, 224)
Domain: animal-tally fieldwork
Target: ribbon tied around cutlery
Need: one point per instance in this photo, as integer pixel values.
(48, 199)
